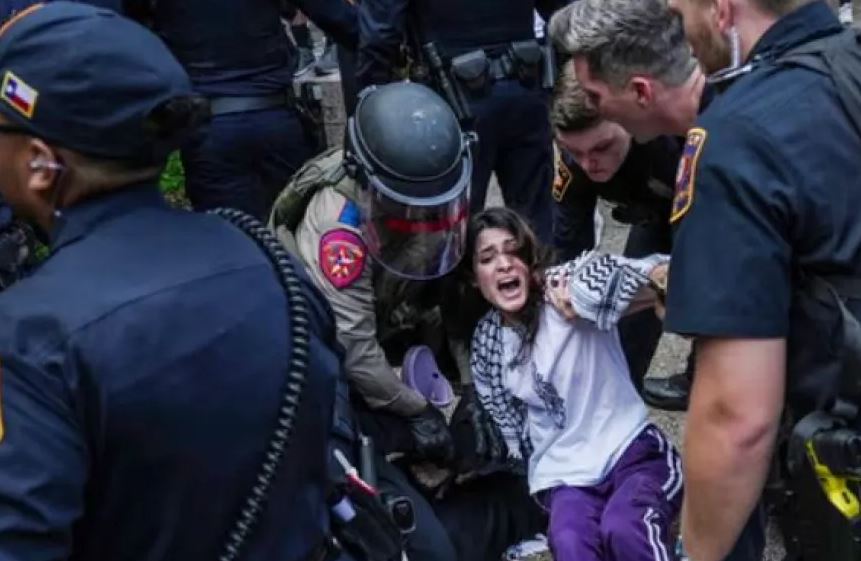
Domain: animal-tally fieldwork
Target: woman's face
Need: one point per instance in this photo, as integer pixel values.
(502, 277)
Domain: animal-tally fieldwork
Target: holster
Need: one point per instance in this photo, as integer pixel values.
(472, 70)
(309, 106)
(526, 58)
(372, 534)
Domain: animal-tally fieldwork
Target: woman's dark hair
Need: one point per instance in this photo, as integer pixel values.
(534, 255)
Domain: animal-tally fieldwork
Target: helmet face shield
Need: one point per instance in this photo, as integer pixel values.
(417, 239)
(413, 164)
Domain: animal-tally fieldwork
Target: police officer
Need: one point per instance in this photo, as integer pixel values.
(377, 225)
(490, 49)
(141, 380)
(598, 159)
(765, 210)
(238, 55)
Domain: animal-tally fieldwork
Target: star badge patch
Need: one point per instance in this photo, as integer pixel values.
(562, 179)
(342, 257)
(685, 178)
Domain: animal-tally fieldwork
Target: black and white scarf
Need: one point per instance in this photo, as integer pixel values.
(601, 288)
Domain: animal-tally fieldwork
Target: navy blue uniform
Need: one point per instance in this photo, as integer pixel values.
(642, 191)
(234, 50)
(768, 184)
(141, 380)
(511, 120)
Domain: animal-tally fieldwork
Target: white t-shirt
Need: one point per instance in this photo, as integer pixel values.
(583, 410)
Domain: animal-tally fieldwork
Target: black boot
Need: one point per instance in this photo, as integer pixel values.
(669, 394)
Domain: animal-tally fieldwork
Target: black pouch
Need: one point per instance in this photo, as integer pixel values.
(472, 70)
(526, 57)
(372, 534)
(309, 105)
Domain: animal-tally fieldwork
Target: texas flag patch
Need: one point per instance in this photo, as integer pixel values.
(342, 257)
(17, 93)
(685, 178)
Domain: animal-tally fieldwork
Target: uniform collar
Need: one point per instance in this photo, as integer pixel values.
(78, 220)
(807, 23)
(706, 97)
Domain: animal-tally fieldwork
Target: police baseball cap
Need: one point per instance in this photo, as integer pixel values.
(90, 80)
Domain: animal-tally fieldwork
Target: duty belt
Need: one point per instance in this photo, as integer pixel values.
(241, 104)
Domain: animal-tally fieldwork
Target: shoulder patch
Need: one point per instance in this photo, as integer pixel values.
(562, 179)
(683, 196)
(350, 215)
(342, 257)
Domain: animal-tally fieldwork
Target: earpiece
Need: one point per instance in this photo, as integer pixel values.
(40, 164)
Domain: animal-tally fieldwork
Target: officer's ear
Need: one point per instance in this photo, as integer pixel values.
(643, 90)
(43, 167)
(723, 15)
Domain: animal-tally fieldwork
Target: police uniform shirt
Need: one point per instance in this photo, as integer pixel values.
(642, 189)
(768, 182)
(141, 370)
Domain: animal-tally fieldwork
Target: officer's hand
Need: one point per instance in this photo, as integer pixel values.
(658, 277)
(557, 292)
(431, 435)
(476, 437)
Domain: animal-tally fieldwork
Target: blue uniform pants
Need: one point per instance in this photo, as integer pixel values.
(516, 142)
(243, 160)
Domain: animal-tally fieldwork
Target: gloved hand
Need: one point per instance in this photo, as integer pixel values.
(431, 435)
(477, 439)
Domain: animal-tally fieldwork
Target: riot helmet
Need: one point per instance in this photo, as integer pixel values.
(413, 164)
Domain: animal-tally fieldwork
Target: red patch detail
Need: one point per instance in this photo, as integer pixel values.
(342, 257)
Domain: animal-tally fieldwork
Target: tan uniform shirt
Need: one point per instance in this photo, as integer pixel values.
(354, 306)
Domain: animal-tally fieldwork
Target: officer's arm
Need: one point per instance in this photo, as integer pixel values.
(43, 464)
(574, 202)
(729, 286)
(338, 18)
(382, 25)
(365, 362)
(730, 432)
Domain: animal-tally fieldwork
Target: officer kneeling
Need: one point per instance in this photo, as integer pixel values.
(142, 382)
(379, 225)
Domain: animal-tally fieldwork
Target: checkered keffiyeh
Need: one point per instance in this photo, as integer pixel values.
(601, 286)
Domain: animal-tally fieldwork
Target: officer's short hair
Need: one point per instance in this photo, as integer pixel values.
(571, 110)
(620, 38)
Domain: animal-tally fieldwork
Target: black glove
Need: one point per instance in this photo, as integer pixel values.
(478, 441)
(431, 435)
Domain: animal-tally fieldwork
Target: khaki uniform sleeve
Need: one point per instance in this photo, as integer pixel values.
(366, 365)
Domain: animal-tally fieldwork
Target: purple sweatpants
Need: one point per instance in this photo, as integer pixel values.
(626, 517)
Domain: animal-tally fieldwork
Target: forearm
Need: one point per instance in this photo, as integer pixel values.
(381, 25)
(338, 18)
(372, 376)
(728, 448)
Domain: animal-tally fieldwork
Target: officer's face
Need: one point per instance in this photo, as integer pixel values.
(599, 150)
(25, 181)
(703, 29)
(629, 106)
(501, 275)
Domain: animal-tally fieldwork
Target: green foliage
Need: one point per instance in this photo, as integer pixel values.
(173, 178)
(172, 182)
